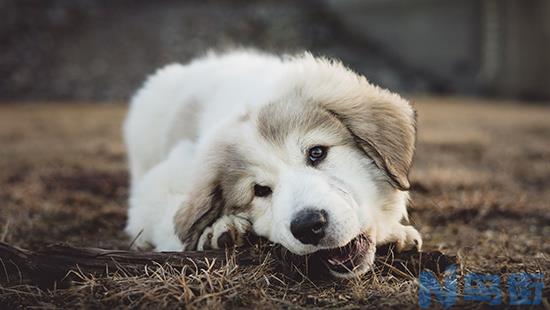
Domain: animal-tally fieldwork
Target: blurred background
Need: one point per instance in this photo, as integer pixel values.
(99, 50)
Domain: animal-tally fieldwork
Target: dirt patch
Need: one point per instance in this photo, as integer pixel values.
(105, 185)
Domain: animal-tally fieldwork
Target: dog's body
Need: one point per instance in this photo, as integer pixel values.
(301, 151)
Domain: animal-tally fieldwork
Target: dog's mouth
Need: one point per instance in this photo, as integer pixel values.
(352, 258)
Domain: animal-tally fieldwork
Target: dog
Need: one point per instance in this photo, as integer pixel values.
(296, 149)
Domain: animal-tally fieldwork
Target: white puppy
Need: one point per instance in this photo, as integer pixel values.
(299, 150)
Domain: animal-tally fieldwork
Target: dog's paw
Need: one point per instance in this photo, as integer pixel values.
(228, 231)
(408, 238)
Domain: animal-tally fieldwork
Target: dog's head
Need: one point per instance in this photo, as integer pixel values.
(313, 171)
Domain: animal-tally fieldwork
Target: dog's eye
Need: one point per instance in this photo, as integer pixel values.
(316, 154)
(262, 191)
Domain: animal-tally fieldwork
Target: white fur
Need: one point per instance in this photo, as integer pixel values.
(176, 117)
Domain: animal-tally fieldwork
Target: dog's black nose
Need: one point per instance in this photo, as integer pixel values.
(308, 226)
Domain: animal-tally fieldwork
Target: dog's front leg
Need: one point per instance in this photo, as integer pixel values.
(406, 237)
(227, 231)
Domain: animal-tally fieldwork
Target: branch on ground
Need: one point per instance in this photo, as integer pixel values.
(52, 266)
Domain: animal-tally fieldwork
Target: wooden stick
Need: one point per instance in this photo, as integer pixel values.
(53, 264)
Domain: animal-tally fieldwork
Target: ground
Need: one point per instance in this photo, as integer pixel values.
(479, 190)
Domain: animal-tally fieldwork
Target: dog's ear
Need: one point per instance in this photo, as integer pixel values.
(384, 126)
(200, 210)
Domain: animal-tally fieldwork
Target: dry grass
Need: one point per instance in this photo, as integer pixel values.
(479, 190)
